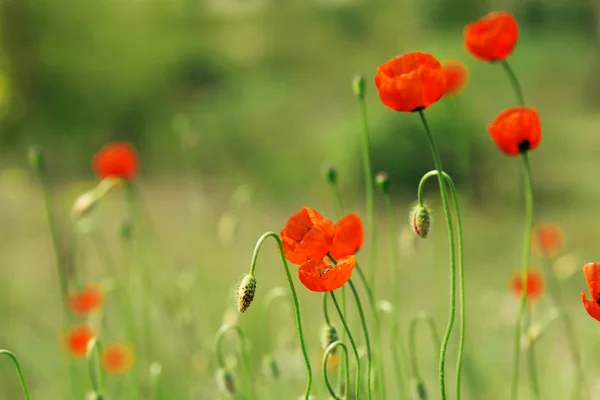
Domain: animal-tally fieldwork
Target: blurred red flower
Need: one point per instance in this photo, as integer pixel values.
(116, 160)
(516, 130)
(348, 238)
(493, 37)
(592, 277)
(547, 239)
(76, 339)
(457, 76)
(319, 276)
(306, 235)
(535, 285)
(410, 82)
(118, 358)
(86, 301)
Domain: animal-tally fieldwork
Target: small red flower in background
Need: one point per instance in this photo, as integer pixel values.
(306, 235)
(516, 130)
(116, 160)
(76, 339)
(348, 238)
(547, 239)
(410, 82)
(319, 276)
(117, 358)
(86, 301)
(592, 277)
(535, 285)
(457, 76)
(493, 37)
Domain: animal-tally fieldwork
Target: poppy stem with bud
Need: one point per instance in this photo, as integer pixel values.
(294, 298)
(414, 321)
(243, 353)
(331, 349)
(13, 358)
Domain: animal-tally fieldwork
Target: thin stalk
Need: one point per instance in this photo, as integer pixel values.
(412, 339)
(94, 361)
(367, 340)
(328, 351)
(352, 343)
(533, 374)
(451, 317)
(243, 353)
(524, 274)
(294, 298)
(514, 82)
(461, 272)
(10, 355)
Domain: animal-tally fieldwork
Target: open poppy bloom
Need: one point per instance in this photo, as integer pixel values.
(457, 75)
(516, 130)
(306, 235)
(410, 82)
(535, 285)
(319, 276)
(592, 277)
(348, 238)
(547, 239)
(117, 358)
(116, 160)
(493, 37)
(76, 339)
(86, 301)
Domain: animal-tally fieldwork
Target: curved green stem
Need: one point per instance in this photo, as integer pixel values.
(524, 273)
(531, 362)
(243, 353)
(325, 311)
(294, 298)
(451, 317)
(10, 355)
(412, 342)
(461, 271)
(352, 343)
(328, 351)
(514, 81)
(94, 361)
(367, 340)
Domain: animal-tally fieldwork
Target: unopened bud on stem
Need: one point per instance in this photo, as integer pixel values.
(417, 389)
(330, 174)
(246, 292)
(420, 220)
(359, 86)
(329, 334)
(383, 181)
(226, 381)
(36, 160)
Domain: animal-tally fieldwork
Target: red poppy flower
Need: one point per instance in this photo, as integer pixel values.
(306, 235)
(319, 276)
(116, 160)
(516, 130)
(547, 239)
(348, 238)
(535, 285)
(493, 37)
(76, 339)
(86, 301)
(117, 358)
(410, 82)
(457, 75)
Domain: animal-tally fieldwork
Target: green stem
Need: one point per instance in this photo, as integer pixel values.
(94, 361)
(352, 343)
(533, 375)
(461, 272)
(412, 339)
(294, 298)
(10, 355)
(367, 341)
(524, 274)
(328, 351)
(325, 312)
(243, 353)
(514, 81)
(451, 317)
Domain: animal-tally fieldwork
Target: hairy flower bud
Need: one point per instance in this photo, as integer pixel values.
(271, 367)
(226, 381)
(420, 219)
(383, 181)
(329, 335)
(359, 86)
(330, 174)
(246, 292)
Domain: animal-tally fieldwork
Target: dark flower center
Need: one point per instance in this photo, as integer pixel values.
(598, 298)
(524, 146)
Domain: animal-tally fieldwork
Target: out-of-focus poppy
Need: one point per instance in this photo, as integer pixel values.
(493, 37)
(319, 276)
(307, 235)
(410, 82)
(86, 301)
(116, 160)
(348, 238)
(117, 358)
(76, 339)
(535, 285)
(516, 130)
(592, 277)
(547, 239)
(457, 76)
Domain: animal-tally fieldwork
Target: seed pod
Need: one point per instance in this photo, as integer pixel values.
(420, 219)
(329, 335)
(246, 292)
(226, 381)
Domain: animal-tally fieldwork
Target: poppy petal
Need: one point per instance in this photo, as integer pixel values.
(318, 276)
(591, 306)
(349, 236)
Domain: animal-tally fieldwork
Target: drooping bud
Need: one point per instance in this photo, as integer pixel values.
(226, 381)
(329, 335)
(246, 292)
(383, 181)
(36, 160)
(330, 173)
(271, 367)
(417, 389)
(420, 220)
(125, 229)
(359, 86)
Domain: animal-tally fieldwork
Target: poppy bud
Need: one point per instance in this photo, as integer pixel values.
(330, 174)
(383, 181)
(329, 335)
(226, 381)
(125, 229)
(36, 159)
(246, 292)
(420, 219)
(271, 367)
(359, 86)
(417, 389)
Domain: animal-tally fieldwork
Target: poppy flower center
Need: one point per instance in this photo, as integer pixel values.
(524, 146)
(598, 298)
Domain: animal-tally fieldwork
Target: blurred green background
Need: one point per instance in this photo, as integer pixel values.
(234, 106)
